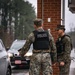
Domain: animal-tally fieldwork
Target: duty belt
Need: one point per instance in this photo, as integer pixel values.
(41, 51)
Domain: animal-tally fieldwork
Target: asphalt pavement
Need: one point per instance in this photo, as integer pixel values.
(20, 71)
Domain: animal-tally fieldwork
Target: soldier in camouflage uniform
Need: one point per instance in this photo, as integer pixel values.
(43, 44)
(63, 45)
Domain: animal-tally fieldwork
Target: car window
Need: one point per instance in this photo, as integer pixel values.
(17, 45)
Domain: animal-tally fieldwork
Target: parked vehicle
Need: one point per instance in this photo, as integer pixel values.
(5, 66)
(14, 56)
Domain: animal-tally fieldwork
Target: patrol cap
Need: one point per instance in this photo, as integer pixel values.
(60, 27)
(38, 22)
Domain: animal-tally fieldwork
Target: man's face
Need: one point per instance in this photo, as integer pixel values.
(59, 32)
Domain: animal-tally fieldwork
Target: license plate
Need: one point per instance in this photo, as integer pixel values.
(17, 61)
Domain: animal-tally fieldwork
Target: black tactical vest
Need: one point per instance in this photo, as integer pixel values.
(61, 46)
(41, 40)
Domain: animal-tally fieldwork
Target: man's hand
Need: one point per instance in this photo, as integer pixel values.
(19, 52)
(62, 63)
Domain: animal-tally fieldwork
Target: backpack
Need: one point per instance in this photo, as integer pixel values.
(70, 40)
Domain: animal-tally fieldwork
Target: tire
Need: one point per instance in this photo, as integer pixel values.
(8, 71)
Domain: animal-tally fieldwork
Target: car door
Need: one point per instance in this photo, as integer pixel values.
(3, 59)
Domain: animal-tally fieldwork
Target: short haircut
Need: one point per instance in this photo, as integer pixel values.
(38, 22)
(62, 27)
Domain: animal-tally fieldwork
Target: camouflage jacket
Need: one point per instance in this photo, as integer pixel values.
(31, 39)
(67, 50)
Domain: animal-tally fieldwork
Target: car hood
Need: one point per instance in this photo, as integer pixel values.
(13, 51)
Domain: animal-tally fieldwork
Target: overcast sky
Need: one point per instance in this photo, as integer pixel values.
(69, 17)
(34, 3)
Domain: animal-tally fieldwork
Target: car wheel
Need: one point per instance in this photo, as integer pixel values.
(8, 71)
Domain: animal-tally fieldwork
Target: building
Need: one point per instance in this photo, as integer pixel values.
(52, 14)
(71, 5)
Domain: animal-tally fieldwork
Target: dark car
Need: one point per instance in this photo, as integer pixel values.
(5, 66)
(14, 56)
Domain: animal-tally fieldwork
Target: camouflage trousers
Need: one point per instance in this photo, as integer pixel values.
(40, 61)
(64, 70)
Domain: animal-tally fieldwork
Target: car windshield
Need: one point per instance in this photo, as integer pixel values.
(17, 45)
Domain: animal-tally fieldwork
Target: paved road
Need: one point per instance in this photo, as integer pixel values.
(24, 71)
(20, 71)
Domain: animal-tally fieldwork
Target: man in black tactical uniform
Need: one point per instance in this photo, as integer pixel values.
(64, 45)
